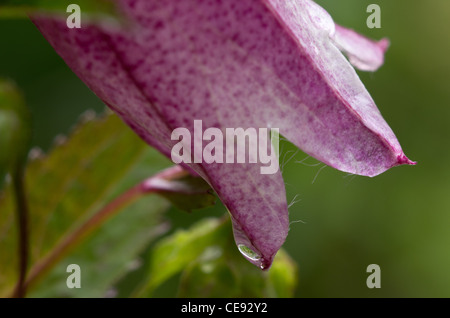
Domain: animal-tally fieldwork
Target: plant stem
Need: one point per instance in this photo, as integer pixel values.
(23, 235)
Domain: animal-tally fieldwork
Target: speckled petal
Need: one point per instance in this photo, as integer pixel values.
(234, 63)
(365, 54)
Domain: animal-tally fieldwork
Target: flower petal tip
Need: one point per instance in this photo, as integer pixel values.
(403, 160)
(265, 265)
(384, 44)
(363, 53)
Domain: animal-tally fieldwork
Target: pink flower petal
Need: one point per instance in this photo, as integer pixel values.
(363, 53)
(234, 63)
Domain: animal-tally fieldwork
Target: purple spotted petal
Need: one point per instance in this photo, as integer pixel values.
(363, 53)
(236, 63)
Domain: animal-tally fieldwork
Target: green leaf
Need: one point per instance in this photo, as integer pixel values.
(15, 131)
(111, 253)
(174, 253)
(211, 266)
(22, 8)
(225, 273)
(101, 159)
(283, 276)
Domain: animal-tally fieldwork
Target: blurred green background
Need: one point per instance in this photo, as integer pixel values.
(399, 220)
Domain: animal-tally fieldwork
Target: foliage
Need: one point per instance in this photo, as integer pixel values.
(101, 159)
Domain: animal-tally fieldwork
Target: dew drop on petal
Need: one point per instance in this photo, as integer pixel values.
(248, 252)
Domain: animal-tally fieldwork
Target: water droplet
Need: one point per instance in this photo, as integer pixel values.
(248, 252)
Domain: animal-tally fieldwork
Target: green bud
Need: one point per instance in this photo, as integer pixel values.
(15, 131)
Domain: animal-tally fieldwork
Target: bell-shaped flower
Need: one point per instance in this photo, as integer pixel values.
(237, 64)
